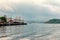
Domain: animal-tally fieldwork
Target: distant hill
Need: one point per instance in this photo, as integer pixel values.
(53, 21)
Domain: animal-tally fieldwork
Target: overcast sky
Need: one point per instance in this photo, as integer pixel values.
(39, 10)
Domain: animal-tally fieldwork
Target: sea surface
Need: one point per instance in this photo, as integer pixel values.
(31, 31)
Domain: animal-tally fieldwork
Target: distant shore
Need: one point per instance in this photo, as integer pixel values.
(53, 21)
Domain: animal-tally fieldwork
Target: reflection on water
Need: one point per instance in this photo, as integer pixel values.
(34, 31)
(2, 31)
(10, 30)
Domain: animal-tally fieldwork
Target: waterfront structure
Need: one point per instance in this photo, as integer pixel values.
(10, 20)
(19, 19)
(4, 21)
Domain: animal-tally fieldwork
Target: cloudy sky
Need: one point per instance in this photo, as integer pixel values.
(38, 10)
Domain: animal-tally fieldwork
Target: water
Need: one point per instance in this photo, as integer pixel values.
(32, 31)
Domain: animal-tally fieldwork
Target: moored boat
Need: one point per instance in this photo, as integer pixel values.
(4, 21)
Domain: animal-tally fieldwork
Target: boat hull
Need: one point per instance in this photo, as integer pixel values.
(11, 24)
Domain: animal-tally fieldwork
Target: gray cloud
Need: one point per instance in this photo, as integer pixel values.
(32, 11)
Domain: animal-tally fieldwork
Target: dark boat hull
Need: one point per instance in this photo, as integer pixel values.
(11, 24)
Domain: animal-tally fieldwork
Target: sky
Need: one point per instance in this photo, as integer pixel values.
(34, 10)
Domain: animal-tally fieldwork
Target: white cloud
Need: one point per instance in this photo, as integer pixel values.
(5, 7)
(8, 1)
(4, 4)
(52, 8)
(39, 1)
(16, 1)
(56, 1)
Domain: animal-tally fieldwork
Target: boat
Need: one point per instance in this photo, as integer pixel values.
(4, 21)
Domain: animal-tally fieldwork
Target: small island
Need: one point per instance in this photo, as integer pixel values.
(53, 21)
(5, 21)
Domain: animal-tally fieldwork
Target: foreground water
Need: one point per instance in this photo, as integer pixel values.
(33, 31)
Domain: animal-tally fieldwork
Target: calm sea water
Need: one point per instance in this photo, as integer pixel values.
(32, 31)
